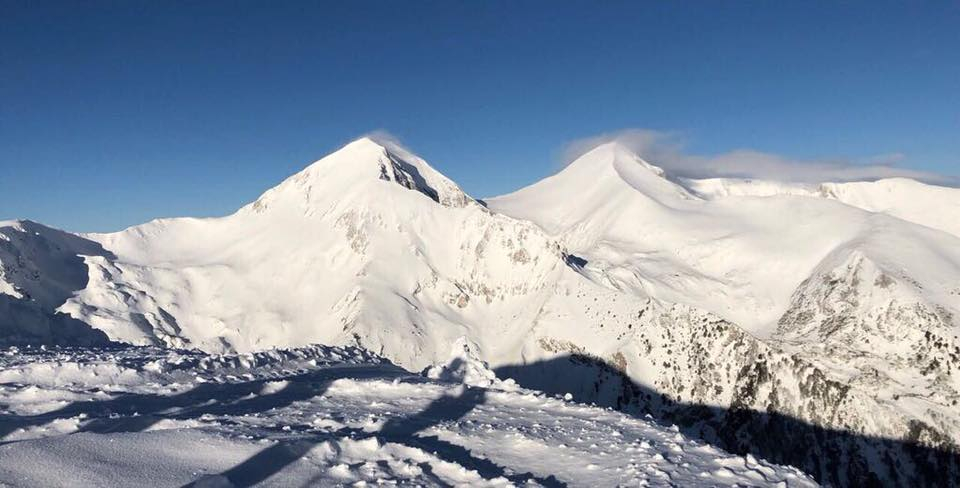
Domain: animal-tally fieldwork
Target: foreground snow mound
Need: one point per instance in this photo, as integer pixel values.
(321, 416)
(464, 366)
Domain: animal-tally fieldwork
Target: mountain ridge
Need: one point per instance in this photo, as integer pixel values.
(610, 264)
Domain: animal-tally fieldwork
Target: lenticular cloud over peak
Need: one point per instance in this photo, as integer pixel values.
(668, 151)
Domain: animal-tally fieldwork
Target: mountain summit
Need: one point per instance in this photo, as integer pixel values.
(355, 169)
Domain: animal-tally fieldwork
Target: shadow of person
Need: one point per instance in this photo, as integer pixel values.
(446, 409)
(399, 430)
(258, 467)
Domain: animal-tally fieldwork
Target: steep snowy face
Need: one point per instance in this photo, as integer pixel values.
(368, 245)
(705, 374)
(40, 263)
(40, 268)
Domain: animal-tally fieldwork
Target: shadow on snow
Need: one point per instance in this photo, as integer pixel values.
(139, 412)
(832, 457)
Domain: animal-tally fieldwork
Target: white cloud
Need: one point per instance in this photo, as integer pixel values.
(667, 151)
(382, 136)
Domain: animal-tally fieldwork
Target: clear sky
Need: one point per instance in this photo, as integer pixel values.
(113, 113)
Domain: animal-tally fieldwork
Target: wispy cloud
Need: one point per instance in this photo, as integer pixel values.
(667, 150)
(391, 142)
(384, 137)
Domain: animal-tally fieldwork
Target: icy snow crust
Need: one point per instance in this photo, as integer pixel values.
(321, 416)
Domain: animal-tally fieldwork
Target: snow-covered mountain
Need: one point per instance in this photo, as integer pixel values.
(812, 326)
(368, 245)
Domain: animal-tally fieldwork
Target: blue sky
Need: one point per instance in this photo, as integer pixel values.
(113, 113)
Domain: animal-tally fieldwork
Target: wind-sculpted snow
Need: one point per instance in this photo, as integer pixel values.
(321, 416)
(815, 326)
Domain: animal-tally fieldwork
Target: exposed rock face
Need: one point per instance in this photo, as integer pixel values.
(721, 384)
(875, 331)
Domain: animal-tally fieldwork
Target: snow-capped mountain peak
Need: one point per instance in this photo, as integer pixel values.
(354, 169)
(617, 158)
(602, 186)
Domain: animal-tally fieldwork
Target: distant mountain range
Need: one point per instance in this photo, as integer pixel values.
(811, 325)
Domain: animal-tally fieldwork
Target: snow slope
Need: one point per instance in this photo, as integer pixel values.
(322, 416)
(740, 257)
(740, 317)
(937, 207)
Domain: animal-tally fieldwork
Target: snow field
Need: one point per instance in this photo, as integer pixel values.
(293, 421)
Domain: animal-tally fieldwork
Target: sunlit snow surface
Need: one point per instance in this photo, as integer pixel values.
(321, 416)
(829, 308)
